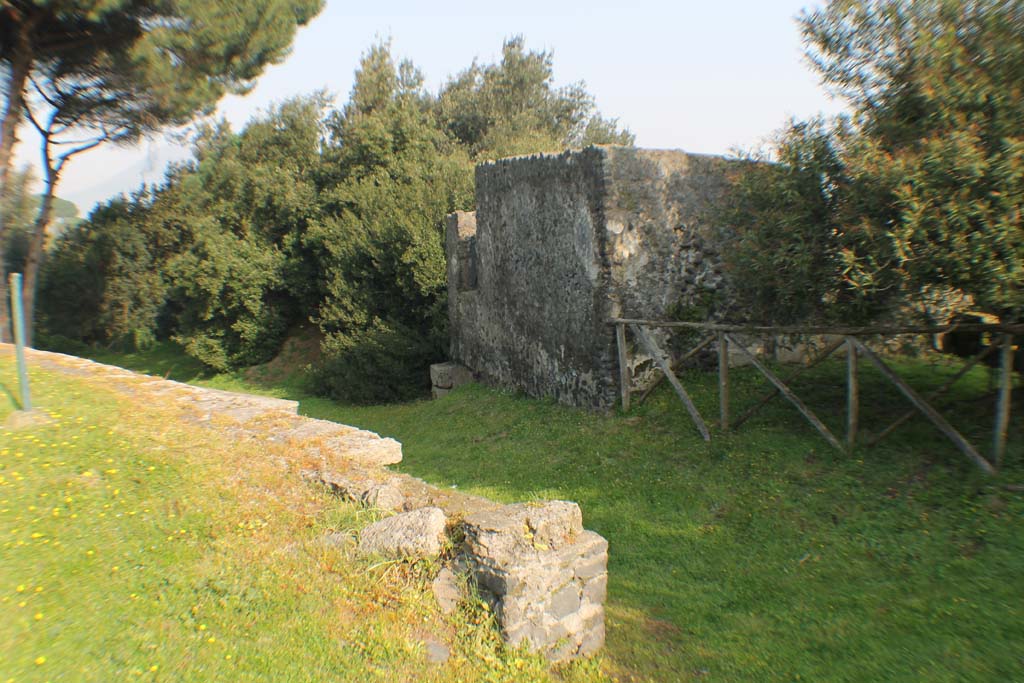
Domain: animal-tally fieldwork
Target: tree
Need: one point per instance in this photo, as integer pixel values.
(104, 281)
(935, 160)
(917, 191)
(18, 206)
(784, 256)
(379, 245)
(308, 214)
(244, 276)
(112, 71)
(513, 107)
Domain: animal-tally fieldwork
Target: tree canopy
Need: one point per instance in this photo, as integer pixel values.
(921, 185)
(86, 72)
(314, 215)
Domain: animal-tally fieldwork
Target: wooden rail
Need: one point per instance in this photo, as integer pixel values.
(724, 335)
(782, 330)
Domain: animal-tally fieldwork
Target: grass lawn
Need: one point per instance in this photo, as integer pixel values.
(137, 546)
(763, 555)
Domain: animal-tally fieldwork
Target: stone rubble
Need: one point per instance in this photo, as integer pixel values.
(408, 535)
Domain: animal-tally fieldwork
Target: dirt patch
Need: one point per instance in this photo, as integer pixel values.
(300, 351)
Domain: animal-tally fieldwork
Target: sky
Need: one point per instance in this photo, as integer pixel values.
(699, 75)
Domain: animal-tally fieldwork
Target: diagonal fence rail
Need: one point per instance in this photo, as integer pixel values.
(724, 337)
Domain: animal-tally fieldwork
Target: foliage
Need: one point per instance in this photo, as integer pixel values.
(513, 107)
(922, 185)
(224, 285)
(397, 161)
(941, 111)
(104, 282)
(242, 278)
(111, 72)
(784, 255)
(380, 245)
(378, 362)
(311, 213)
(136, 65)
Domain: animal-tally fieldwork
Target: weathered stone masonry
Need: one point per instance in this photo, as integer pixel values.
(561, 243)
(545, 575)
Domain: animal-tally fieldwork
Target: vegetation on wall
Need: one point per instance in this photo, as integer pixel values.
(315, 214)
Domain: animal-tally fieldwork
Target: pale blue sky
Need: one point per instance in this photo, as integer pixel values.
(702, 76)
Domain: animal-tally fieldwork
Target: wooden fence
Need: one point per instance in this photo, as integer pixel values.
(724, 335)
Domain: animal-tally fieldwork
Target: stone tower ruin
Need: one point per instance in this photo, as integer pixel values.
(559, 244)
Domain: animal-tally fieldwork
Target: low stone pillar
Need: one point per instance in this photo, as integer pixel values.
(446, 376)
(548, 576)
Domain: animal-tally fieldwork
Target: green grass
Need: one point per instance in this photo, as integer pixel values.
(764, 555)
(135, 545)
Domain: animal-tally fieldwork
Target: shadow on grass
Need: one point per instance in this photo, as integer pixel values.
(7, 391)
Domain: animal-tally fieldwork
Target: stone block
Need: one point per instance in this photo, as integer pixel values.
(586, 547)
(357, 487)
(449, 375)
(417, 535)
(437, 652)
(593, 640)
(447, 590)
(592, 566)
(532, 557)
(563, 651)
(564, 602)
(383, 496)
(514, 530)
(596, 589)
(365, 448)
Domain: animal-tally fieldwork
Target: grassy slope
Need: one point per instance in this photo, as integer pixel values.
(763, 555)
(139, 547)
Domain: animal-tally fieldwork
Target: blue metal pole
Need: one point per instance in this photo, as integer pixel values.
(19, 339)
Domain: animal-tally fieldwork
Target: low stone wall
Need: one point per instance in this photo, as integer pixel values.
(545, 575)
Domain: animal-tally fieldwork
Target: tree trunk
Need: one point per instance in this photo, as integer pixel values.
(36, 251)
(20, 65)
(5, 318)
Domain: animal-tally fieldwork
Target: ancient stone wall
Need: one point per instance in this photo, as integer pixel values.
(560, 244)
(545, 575)
(535, 320)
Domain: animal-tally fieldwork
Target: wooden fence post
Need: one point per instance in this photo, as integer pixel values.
(940, 422)
(624, 374)
(723, 381)
(789, 395)
(655, 352)
(1003, 403)
(852, 395)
